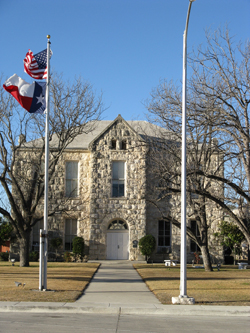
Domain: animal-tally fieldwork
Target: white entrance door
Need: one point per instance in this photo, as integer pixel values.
(117, 245)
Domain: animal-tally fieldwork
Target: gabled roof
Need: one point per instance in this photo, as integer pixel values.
(140, 128)
(117, 119)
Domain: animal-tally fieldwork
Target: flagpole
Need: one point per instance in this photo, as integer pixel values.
(46, 180)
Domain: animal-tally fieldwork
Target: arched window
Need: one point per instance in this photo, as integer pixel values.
(118, 225)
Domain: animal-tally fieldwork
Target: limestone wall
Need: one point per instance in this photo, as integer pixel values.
(104, 208)
(95, 208)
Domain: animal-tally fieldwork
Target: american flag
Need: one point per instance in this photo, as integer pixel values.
(36, 65)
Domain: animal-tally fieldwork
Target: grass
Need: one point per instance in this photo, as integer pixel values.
(65, 281)
(229, 286)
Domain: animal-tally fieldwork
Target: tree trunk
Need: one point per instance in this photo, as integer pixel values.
(206, 258)
(24, 244)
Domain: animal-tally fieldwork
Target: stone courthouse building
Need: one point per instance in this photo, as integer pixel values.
(101, 181)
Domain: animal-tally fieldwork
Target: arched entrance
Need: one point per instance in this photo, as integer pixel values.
(118, 240)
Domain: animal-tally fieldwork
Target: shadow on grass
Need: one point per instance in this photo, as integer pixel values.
(219, 302)
(70, 278)
(189, 267)
(196, 289)
(177, 278)
(99, 280)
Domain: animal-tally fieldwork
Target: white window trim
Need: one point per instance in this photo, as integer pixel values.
(125, 179)
(65, 179)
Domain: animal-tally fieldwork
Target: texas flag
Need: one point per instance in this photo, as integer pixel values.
(30, 96)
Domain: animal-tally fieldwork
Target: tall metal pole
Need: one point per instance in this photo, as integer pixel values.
(41, 255)
(183, 273)
(46, 179)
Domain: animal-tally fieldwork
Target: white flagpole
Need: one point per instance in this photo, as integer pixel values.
(46, 180)
(41, 252)
(183, 298)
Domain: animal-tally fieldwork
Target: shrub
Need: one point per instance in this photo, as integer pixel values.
(5, 231)
(231, 237)
(67, 256)
(197, 258)
(4, 256)
(34, 256)
(56, 244)
(78, 247)
(147, 245)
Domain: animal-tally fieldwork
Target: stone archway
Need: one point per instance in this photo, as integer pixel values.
(117, 240)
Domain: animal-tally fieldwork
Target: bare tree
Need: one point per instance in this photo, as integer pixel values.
(74, 110)
(165, 156)
(218, 151)
(221, 75)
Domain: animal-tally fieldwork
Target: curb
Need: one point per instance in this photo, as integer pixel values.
(173, 310)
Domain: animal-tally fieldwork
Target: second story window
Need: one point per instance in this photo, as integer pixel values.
(118, 179)
(71, 179)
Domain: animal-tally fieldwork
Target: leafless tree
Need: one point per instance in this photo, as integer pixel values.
(203, 154)
(73, 111)
(218, 151)
(221, 75)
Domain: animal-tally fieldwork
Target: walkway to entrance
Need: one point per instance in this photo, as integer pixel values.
(115, 284)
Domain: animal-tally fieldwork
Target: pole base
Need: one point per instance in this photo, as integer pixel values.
(183, 300)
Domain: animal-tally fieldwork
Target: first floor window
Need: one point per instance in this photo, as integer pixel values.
(70, 233)
(164, 233)
(36, 235)
(118, 179)
(71, 179)
(195, 230)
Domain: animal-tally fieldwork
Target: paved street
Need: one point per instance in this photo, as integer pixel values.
(91, 323)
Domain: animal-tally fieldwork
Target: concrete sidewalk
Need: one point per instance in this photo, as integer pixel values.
(118, 284)
(117, 288)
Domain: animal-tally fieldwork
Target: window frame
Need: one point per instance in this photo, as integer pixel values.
(119, 181)
(113, 144)
(124, 145)
(76, 190)
(193, 246)
(36, 235)
(118, 224)
(71, 235)
(164, 236)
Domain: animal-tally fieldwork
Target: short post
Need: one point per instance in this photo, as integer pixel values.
(41, 261)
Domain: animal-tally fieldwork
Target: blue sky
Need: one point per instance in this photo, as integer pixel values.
(122, 47)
